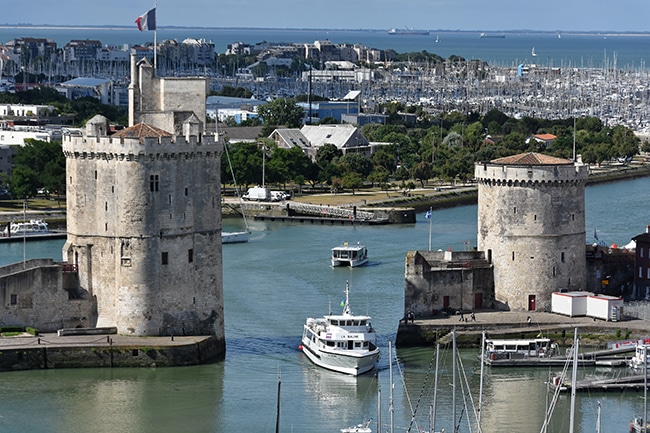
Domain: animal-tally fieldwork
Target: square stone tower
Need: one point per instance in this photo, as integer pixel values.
(144, 212)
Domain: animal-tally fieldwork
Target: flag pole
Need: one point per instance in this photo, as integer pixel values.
(155, 44)
(430, 225)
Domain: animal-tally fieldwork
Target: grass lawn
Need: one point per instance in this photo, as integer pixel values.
(39, 204)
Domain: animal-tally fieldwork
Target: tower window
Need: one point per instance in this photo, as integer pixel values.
(554, 273)
(514, 210)
(513, 256)
(165, 258)
(187, 191)
(14, 299)
(95, 174)
(190, 255)
(562, 256)
(153, 183)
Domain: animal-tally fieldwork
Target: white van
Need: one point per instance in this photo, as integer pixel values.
(257, 193)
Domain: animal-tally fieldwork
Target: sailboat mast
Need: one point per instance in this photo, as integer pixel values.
(378, 407)
(435, 391)
(390, 398)
(480, 392)
(645, 388)
(277, 417)
(574, 380)
(453, 384)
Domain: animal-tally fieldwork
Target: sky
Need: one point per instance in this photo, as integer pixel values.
(545, 15)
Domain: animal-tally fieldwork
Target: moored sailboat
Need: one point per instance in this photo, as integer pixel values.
(236, 237)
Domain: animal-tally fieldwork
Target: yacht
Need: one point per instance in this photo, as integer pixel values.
(349, 255)
(31, 228)
(345, 343)
(235, 237)
(641, 351)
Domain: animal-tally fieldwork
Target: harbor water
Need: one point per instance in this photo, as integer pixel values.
(576, 50)
(271, 284)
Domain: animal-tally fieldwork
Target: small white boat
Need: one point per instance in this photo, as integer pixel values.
(520, 349)
(360, 428)
(637, 360)
(234, 237)
(238, 237)
(31, 228)
(349, 255)
(345, 343)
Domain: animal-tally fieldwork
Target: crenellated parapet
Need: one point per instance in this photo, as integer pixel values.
(124, 148)
(503, 174)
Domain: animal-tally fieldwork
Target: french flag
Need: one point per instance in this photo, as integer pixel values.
(147, 21)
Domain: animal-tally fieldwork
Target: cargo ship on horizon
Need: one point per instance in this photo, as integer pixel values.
(407, 31)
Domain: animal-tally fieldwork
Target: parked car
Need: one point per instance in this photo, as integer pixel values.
(280, 196)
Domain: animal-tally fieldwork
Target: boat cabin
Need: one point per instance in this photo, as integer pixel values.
(349, 255)
(519, 349)
(639, 352)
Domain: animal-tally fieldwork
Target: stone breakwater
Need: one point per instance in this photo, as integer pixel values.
(512, 324)
(49, 351)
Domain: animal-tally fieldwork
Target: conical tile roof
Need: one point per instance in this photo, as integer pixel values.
(531, 158)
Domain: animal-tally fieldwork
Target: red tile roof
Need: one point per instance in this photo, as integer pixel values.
(141, 131)
(531, 158)
(545, 137)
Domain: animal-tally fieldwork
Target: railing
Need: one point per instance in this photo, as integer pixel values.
(69, 267)
(330, 212)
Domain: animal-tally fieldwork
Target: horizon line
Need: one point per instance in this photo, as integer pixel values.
(129, 27)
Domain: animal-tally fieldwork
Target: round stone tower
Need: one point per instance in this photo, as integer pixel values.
(144, 227)
(531, 226)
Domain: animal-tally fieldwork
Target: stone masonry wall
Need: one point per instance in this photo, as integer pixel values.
(531, 226)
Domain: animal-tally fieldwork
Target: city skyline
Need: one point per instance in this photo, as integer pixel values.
(552, 15)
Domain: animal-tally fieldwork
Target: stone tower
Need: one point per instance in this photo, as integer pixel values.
(144, 213)
(531, 226)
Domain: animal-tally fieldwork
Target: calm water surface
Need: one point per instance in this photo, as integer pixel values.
(270, 285)
(570, 50)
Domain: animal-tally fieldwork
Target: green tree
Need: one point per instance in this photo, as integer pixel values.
(282, 111)
(37, 164)
(357, 163)
(351, 180)
(422, 172)
(327, 153)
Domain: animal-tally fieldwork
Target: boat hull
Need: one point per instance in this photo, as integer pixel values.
(234, 237)
(344, 361)
(350, 263)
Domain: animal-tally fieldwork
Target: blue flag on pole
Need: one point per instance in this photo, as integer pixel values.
(427, 215)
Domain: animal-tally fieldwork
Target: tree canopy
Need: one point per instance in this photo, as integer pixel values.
(37, 164)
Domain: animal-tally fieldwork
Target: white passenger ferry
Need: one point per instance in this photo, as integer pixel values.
(349, 255)
(31, 228)
(518, 349)
(346, 343)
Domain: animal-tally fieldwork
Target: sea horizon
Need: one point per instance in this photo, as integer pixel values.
(359, 29)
